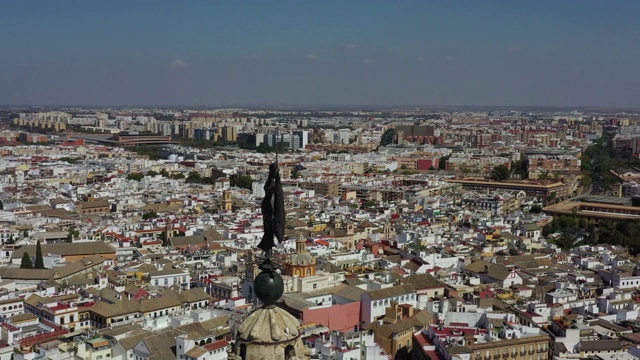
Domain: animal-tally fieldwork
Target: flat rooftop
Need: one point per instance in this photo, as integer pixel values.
(604, 199)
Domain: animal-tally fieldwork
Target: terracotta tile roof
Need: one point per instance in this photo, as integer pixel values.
(422, 281)
(68, 249)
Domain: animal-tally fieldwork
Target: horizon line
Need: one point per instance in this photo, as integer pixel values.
(318, 107)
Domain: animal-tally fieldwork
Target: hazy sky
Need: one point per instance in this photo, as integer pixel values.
(565, 53)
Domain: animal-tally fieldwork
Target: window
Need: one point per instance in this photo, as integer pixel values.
(315, 286)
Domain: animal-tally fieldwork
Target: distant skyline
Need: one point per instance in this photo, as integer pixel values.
(265, 53)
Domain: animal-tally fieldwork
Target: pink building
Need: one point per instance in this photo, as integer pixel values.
(337, 317)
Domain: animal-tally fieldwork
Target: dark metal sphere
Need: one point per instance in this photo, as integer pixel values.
(269, 287)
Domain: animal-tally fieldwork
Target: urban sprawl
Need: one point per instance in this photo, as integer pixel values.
(410, 234)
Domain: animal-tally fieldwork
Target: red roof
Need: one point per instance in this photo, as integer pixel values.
(427, 346)
(217, 345)
(59, 307)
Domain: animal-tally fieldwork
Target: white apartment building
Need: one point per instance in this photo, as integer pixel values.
(374, 303)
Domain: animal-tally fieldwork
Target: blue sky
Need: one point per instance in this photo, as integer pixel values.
(551, 53)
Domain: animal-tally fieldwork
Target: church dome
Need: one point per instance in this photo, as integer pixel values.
(268, 325)
(302, 259)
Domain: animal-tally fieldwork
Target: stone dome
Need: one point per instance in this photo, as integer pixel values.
(301, 259)
(269, 325)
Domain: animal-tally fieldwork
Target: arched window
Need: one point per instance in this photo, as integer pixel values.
(289, 352)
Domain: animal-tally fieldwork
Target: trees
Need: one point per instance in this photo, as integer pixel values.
(442, 163)
(154, 152)
(535, 209)
(565, 241)
(136, 176)
(194, 177)
(586, 180)
(149, 215)
(26, 261)
(39, 259)
(613, 232)
(521, 168)
(70, 160)
(72, 234)
(500, 173)
(387, 137)
(242, 181)
(544, 175)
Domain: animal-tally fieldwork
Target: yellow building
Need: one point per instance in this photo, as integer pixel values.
(300, 264)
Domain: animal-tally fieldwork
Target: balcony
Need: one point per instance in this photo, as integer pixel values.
(523, 353)
(531, 352)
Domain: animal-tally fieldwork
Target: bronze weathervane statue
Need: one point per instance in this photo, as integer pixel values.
(269, 285)
(273, 214)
